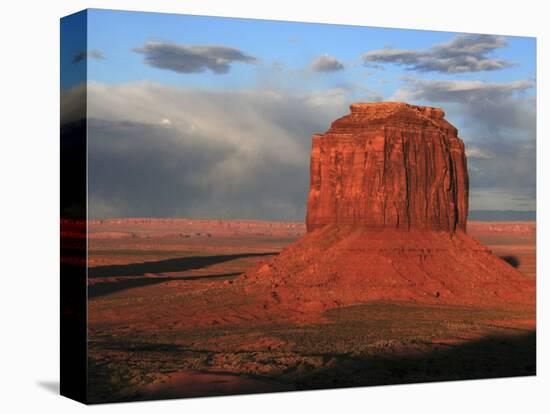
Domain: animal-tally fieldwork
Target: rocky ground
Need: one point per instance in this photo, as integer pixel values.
(167, 318)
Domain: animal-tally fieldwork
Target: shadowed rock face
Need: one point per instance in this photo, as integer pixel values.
(389, 165)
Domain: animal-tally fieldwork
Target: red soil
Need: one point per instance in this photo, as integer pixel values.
(340, 266)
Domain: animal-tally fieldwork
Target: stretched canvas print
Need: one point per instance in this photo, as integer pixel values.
(254, 206)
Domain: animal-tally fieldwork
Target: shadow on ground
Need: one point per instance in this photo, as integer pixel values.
(168, 265)
(51, 386)
(491, 357)
(511, 260)
(105, 288)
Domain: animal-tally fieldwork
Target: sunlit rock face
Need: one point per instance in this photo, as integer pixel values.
(389, 165)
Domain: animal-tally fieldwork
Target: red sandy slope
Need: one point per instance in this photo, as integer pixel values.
(339, 266)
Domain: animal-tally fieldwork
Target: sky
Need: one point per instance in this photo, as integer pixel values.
(192, 116)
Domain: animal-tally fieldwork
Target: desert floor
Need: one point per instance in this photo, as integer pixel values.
(151, 284)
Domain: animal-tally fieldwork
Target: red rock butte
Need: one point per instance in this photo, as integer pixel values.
(389, 165)
(386, 220)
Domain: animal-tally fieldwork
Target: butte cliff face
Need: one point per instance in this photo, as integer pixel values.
(386, 220)
(389, 165)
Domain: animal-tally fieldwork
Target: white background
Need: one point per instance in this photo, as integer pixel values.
(29, 179)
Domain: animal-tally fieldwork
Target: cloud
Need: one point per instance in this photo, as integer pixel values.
(226, 154)
(464, 53)
(91, 54)
(390, 55)
(326, 63)
(475, 152)
(462, 90)
(192, 59)
(510, 172)
(498, 124)
(158, 150)
(73, 104)
(496, 105)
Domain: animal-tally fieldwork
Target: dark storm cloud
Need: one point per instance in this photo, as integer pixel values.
(159, 150)
(192, 59)
(511, 169)
(73, 104)
(326, 63)
(498, 123)
(137, 169)
(464, 53)
(494, 105)
(143, 170)
(164, 151)
(91, 54)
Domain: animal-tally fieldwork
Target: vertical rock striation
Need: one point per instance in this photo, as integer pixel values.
(389, 165)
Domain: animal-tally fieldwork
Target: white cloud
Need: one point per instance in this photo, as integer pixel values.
(473, 151)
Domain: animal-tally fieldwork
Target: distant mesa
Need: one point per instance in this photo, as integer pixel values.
(386, 220)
